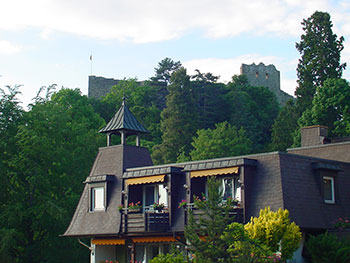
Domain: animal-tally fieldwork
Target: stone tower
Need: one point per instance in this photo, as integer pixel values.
(265, 76)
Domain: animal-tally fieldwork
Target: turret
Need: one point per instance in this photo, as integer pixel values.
(125, 124)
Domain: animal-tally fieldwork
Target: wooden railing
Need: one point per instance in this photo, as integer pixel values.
(148, 221)
(236, 214)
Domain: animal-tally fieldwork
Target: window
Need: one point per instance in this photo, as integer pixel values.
(154, 194)
(146, 252)
(230, 188)
(328, 190)
(97, 198)
(267, 76)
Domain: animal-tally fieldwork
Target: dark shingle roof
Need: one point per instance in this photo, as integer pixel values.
(124, 120)
(109, 166)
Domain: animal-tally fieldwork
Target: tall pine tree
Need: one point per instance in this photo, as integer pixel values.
(320, 57)
(178, 119)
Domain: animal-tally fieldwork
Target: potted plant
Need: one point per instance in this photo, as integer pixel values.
(183, 204)
(158, 207)
(134, 207)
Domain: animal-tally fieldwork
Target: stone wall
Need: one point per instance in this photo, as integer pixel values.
(265, 76)
(100, 86)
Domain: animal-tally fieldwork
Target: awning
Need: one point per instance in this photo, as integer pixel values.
(146, 180)
(114, 241)
(154, 239)
(220, 171)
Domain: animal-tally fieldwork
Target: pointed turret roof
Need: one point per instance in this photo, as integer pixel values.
(124, 120)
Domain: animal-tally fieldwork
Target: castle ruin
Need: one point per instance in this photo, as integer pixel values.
(258, 76)
(266, 76)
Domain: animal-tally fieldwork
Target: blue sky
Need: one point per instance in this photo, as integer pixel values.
(44, 42)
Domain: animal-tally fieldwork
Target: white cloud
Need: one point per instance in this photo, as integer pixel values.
(226, 68)
(157, 20)
(8, 48)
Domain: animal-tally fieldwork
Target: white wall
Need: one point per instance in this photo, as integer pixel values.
(103, 253)
(297, 257)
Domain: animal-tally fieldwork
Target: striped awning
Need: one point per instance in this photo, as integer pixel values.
(146, 180)
(154, 239)
(114, 241)
(210, 172)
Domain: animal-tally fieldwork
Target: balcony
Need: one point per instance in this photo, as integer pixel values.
(236, 214)
(148, 221)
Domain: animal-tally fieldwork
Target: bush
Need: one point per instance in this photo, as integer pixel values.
(275, 230)
(327, 248)
(174, 257)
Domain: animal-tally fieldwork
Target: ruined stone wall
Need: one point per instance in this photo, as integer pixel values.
(265, 76)
(258, 76)
(100, 86)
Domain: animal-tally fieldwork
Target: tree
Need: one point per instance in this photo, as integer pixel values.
(254, 109)
(243, 249)
(204, 235)
(141, 100)
(11, 115)
(164, 70)
(210, 99)
(216, 238)
(275, 230)
(56, 144)
(328, 247)
(175, 257)
(320, 57)
(284, 126)
(330, 107)
(225, 140)
(178, 119)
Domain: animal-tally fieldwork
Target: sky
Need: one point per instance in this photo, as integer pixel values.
(45, 42)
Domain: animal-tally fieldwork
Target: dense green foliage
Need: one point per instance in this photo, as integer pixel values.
(327, 248)
(330, 107)
(55, 143)
(178, 119)
(225, 140)
(254, 109)
(175, 257)
(320, 57)
(284, 127)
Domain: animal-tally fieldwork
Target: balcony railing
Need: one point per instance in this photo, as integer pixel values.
(151, 221)
(236, 214)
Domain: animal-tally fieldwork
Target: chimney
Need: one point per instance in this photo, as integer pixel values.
(313, 135)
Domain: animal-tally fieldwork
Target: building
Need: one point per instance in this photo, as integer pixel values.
(116, 209)
(266, 76)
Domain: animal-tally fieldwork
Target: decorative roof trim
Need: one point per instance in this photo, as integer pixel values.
(99, 178)
(325, 166)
